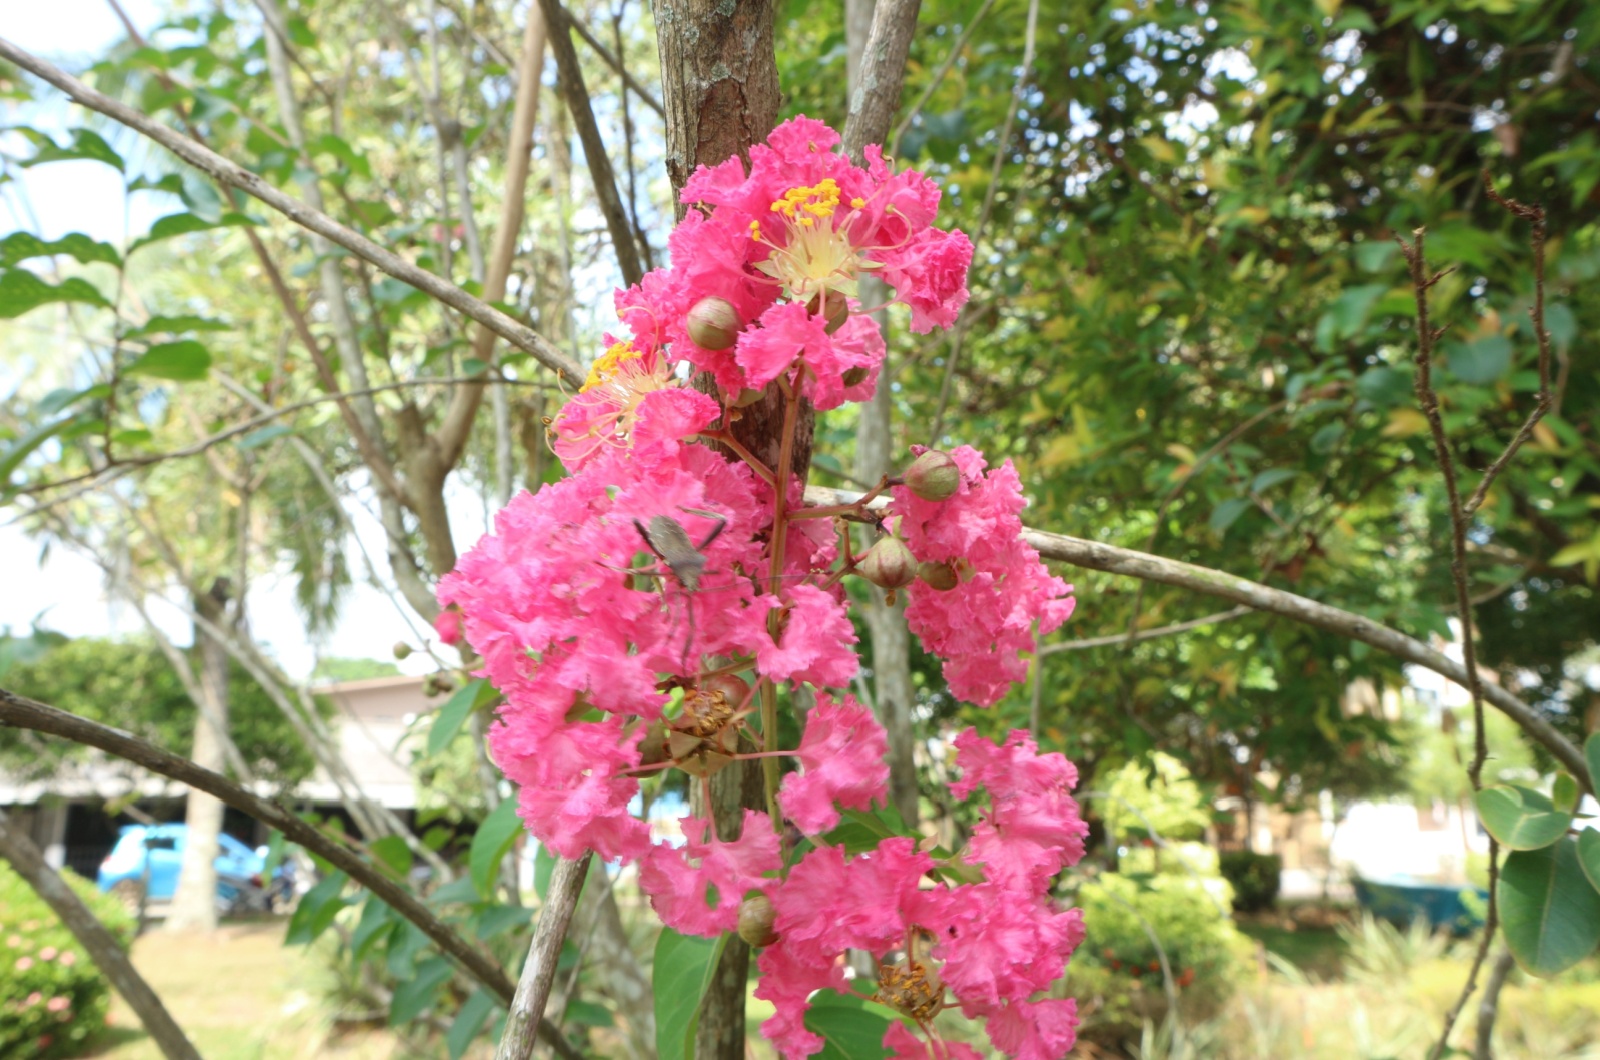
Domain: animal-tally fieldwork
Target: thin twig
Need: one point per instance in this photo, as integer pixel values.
(1145, 634)
(938, 78)
(1428, 398)
(234, 175)
(615, 62)
(23, 713)
(1535, 216)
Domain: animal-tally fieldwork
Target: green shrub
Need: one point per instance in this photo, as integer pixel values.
(1117, 975)
(53, 999)
(1255, 879)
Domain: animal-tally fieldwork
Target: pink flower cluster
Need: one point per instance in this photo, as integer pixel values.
(616, 608)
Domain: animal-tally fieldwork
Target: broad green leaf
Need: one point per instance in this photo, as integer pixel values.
(589, 1014)
(490, 843)
(179, 224)
(316, 910)
(21, 290)
(1481, 361)
(160, 325)
(404, 946)
(184, 361)
(455, 712)
(1564, 793)
(393, 852)
(498, 919)
(1271, 477)
(14, 454)
(680, 973)
(377, 919)
(469, 1021)
(20, 246)
(1385, 387)
(1227, 513)
(416, 994)
(262, 435)
(851, 1027)
(1549, 911)
(86, 144)
(1589, 855)
(1591, 753)
(1521, 818)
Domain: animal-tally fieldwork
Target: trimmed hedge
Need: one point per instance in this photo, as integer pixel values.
(53, 1000)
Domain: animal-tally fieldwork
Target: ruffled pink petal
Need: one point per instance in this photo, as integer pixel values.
(845, 756)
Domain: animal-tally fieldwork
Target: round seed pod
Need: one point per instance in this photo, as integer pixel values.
(755, 920)
(888, 564)
(940, 576)
(714, 324)
(933, 476)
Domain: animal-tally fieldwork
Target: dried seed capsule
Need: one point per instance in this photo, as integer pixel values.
(940, 576)
(888, 564)
(835, 308)
(854, 376)
(714, 324)
(755, 920)
(933, 476)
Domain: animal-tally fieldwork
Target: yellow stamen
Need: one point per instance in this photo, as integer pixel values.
(857, 202)
(608, 365)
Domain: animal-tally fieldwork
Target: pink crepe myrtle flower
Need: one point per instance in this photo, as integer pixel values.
(844, 753)
(697, 890)
(903, 1044)
(817, 643)
(68, 959)
(981, 627)
(23, 964)
(48, 953)
(993, 944)
(630, 402)
(58, 1004)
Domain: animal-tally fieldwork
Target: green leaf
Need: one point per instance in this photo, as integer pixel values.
(1589, 855)
(262, 435)
(179, 224)
(589, 1014)
(852, 1028)
(184, 361)
(160, 325)
(1591, 753)
(1549, 911)
(377, 919)
(20, 246)
(14, 454)
(1271, 477)
(490, 843)
(393, 852)
(1386, 388)
(316, 910)
(455, 712)
(1521, 818)
(1227, 513)
(414, 995)
(680, 974)
(498, 919)
(1481, 361)
(1564, 792)
(86, 144)
(21, 290)
(469, 1021)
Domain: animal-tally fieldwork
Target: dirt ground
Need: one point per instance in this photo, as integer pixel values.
(240, 994)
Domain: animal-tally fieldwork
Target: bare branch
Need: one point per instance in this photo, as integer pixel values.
(102, 946)
(1095, 555)
(1535, 215)
(876, 95)
(23, 713)
(615, 62)
(203, 158)
(539, 971)
(576, 94)
(1145, 634)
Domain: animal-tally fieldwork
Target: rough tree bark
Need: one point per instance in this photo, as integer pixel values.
(194, 906)
(893, 693)
(719, 86)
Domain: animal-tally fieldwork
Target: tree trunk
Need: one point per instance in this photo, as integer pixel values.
(893, 693)
(719, 85)
(194, 906)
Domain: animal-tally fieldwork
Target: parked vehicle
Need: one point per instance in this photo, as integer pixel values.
(144, 865)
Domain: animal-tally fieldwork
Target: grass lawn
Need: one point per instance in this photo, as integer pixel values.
(239, 994)
(1319, 951)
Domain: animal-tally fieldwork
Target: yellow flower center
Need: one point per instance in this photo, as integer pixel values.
(608, 365)
(815, 257)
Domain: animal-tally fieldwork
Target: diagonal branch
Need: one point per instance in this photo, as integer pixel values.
(615, 62)
(23, 713)
(576, 94)
(234, 175)
(1093, 555)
